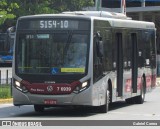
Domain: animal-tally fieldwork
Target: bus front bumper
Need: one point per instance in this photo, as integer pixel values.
(83, 98)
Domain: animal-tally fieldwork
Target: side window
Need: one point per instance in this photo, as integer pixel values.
(129, 50)
(153, 49)
(97, 55)
(158, 44)
(148, 45)
(119, 45)
(141, 48)
(117, 50)
(114, 52)
(150, 51)
(107, 49)
(134, 43)
(125, 50)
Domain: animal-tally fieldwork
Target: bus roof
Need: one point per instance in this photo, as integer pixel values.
(83, 14)
(120, 23)
(115, 19)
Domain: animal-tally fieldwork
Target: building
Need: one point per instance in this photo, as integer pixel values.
(143, 10)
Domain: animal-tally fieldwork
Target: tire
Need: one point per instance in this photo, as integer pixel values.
(104, 108)
(39, 108)
(140, 99)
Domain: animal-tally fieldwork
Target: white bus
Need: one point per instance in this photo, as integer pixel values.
(82, 59)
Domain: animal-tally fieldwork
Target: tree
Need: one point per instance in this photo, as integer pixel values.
(70, 5)
(31, 7)
(12, 9)
(6, 14)
(6, 10)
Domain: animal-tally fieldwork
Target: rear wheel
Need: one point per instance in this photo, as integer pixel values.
(140, 99)
(38, 108)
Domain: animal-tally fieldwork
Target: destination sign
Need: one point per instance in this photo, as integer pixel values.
(54, 24)
(57, 24)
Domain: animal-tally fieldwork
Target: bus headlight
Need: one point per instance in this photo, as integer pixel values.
(20, 87)
(17, 83)
(84, 84)
(81, 87)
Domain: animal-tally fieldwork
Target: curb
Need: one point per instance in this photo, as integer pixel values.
(4, 101)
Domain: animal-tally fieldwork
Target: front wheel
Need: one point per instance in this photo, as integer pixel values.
(104, 108)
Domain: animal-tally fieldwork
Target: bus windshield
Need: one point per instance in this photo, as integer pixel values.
(52, 53)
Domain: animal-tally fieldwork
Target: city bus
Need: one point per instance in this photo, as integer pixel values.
(84, 59)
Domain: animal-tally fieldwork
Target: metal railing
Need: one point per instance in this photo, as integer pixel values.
(5, 84)
(6, 79)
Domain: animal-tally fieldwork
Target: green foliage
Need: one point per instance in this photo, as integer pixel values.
(5, 91)
(6, 10)
(70, 5)
(31, 7)
(12, 9)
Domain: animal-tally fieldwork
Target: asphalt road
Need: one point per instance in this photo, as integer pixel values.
(150, 110)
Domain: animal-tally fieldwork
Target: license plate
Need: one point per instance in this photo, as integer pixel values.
(50, 102)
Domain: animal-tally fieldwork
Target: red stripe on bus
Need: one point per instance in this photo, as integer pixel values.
(43, 88)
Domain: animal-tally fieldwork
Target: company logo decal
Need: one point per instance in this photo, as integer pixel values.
(49, 88)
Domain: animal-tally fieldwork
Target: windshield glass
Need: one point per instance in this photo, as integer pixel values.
(52, 53)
